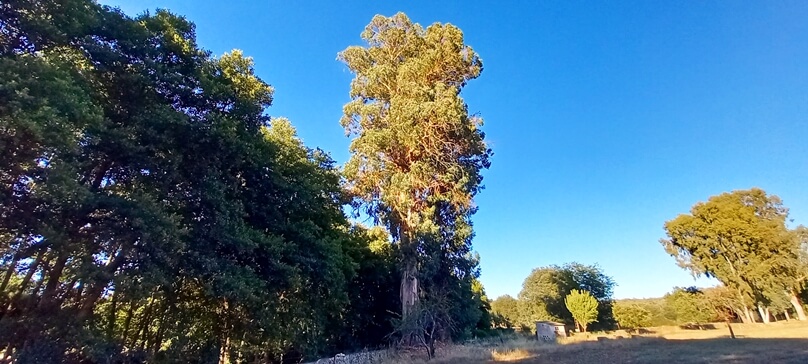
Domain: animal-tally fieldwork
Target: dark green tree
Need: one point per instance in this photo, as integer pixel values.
(592, 279)
(631, 316)
(691, 305)
(542, 296)
(507, 308)
(543, 292)
(151, 210)
(373, 294)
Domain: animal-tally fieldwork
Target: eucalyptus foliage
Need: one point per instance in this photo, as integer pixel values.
(417, 154)
(741, 239)
(152, 211)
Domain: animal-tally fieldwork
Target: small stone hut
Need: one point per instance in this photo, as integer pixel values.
(549, 330)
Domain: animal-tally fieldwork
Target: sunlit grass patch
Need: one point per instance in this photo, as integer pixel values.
(510, 354)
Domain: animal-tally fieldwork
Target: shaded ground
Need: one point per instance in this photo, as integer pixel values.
(658, 350)
(781, 342)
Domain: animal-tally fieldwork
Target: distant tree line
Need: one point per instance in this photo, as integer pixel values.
(152, 211)
(741, 238)
(742, 232)
(680, 307)
(543, 296)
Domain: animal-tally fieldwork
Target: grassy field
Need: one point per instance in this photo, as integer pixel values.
(780, 342)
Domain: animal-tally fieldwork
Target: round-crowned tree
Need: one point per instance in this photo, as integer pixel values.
(583, 306)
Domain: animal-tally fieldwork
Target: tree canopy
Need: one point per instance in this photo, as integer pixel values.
(543, 292)
(583, 307)
(152, 210)
(690, 305)
(741, 239)
(417, 153)
(149, 202)
(506, 308)
(631, 316)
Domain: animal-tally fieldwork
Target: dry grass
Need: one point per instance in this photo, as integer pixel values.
(510, 354)
(780, 342)
(781, 329)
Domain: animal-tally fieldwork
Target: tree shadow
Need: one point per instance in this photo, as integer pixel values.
(695, 326)
(659, 350)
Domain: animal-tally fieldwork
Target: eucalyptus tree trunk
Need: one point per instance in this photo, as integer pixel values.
(224, 336)
(748, 316)
(409, 275)
(798, 307)
(409, 287)
(224, 351)
(764, 314)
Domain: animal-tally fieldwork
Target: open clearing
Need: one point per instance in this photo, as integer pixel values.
(780, 342)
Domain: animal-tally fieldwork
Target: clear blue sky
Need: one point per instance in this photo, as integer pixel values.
(606, 118)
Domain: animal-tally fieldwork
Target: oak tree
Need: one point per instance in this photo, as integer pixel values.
(631, 316)
(506, 308)
(543, 292)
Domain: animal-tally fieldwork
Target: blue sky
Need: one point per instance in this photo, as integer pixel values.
(606, 118)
